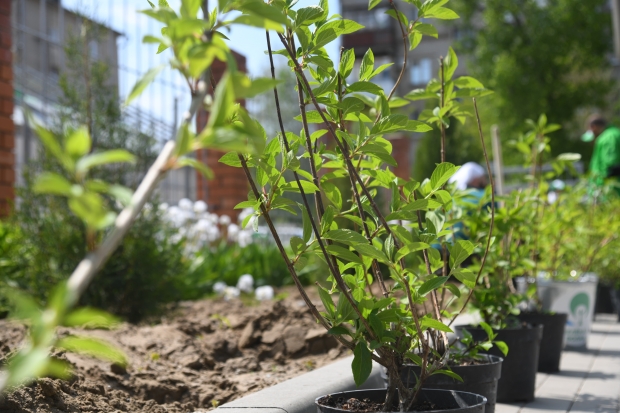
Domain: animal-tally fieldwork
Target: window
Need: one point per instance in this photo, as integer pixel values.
(421, 72)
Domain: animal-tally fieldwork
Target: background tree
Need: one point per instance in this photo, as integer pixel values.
(540, 56)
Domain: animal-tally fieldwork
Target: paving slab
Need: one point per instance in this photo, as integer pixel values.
(588, 381)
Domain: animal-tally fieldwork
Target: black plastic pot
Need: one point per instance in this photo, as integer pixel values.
(478, 379)
(615, 295)
(604, 299)
(552, 338)
(445, 400)
(518, 380)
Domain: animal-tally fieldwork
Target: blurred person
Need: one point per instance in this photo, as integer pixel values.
(605, 162)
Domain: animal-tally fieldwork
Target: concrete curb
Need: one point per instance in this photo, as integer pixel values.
(297, 395)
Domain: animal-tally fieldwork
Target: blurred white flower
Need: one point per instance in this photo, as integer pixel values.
(203, 225)
(200, 206)
(224, 220)
(231, 292)
(213, 233)
(246, 283)
(264, 293)
(219, 287)
(214, 218)
(163, 207)
(244, 238)
(233, 232)
(186, 204)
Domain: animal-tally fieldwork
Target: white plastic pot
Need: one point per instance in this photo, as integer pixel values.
(575, 298)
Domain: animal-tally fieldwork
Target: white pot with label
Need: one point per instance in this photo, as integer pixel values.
(576, 297)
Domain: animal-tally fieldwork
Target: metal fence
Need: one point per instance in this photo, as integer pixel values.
(40, 32)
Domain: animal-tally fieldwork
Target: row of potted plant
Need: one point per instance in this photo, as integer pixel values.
(394, 290)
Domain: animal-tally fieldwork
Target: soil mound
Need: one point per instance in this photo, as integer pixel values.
(204, 354)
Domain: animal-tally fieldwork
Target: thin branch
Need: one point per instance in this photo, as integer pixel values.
(405, 51)
(488, 246)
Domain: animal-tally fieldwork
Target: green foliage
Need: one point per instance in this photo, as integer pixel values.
(141, 276)
(539, 57)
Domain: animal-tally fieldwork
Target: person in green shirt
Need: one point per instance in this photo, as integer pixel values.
(605, 162)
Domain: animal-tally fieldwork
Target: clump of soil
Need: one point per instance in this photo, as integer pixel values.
(208, 353)
(368, 406)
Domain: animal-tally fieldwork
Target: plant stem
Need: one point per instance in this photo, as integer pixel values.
(488, 246)
(402, 70)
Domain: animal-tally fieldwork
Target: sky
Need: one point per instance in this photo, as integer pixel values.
(136, 58)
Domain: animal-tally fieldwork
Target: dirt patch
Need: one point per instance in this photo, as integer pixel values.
(208, 353)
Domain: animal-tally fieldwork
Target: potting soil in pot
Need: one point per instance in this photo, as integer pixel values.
(429, 400)
(204, 354)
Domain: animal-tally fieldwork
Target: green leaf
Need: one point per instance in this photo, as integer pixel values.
(311, 117)
(78, 143)
(373, 3)
(362, 363)
(468, 82)
(344, 310)
(307, 225)
(428, 322)
(142, 84)
(502, 346)
(327, 301)
(441, 13)
(308, 15)
(426, 29)
(197, 165)
(450, 64)
(366, 87)
(184, 140)
(121, 193)
(307, 186)
(297, 245)
(465, 276)
(331, 30)
(346, 63)
(189, 8)
(460, 251)
(333, 194)
(449, 373)
(88, 317)
(432, 284)
(487, 328)
(103, 158)
(343, 253)
(52, 183)
(410, 248)
(370, 251)
(93, 347)
(346, 236)
(231, 159)
(367, 66)
(442, 173)
(454, 290)
(259, 8)
(419, 94)
(338, 331)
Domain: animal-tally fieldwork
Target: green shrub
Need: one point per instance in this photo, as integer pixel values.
(45, 242)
